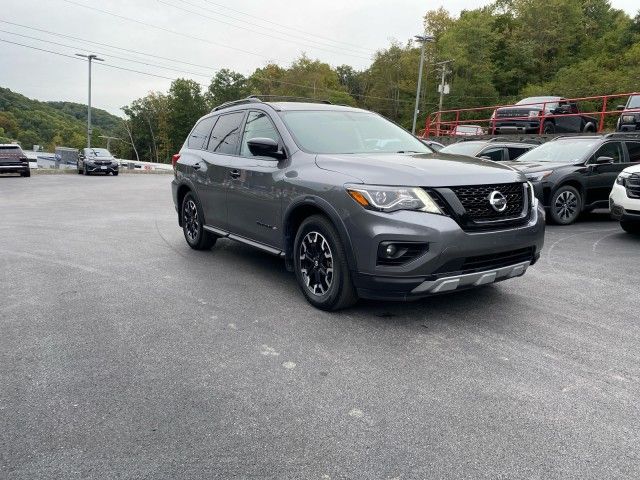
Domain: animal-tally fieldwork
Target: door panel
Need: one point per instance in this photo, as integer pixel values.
(220, 147)
(602, 177)
(253, 196)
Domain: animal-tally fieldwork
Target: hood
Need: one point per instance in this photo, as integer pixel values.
(530, 167)
(633, 169)
(428, 169)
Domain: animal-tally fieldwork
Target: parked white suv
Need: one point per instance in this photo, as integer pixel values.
(624, 200)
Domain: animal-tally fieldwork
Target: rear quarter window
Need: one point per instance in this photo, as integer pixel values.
(200, 133)
(634, 151)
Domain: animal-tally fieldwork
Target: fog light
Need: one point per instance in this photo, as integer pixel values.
(391, 250)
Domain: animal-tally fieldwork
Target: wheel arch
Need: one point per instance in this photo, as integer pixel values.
(182, 191)
(298, 211)
(575, 183)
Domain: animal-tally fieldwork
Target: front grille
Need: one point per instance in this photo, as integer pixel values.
(475, 200)
(512, 113)
(633, 186)
(480, 263)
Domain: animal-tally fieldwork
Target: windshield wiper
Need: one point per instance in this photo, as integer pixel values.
(407, 151)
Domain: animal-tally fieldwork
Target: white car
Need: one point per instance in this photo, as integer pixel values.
(624, 199)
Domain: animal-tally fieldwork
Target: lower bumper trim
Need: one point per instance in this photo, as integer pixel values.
(448, 284)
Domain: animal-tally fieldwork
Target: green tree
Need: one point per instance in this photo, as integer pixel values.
(186, 104)
(226, 86)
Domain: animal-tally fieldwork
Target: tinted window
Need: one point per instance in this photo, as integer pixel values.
(327, 131)
(201, 132)
(495, 154)
(258, 125)
(613, 150)
(634, 151)
(565, 151)
(463, 148)
(224, 138)
(634, 102)
(515, 152)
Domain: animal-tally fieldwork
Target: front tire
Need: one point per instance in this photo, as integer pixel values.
(115, 174)
(85, 171)
(566, 205)
(320, 265)
(192, 224)
(26, 173)
(630, 227)
(549, 128)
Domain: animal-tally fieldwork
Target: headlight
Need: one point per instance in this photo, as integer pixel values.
(538, 176)
(534, 113)
(622, 178)
(629, 118)
(391, 199)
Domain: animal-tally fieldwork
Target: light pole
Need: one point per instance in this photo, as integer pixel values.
(90, 58)
(424, 39)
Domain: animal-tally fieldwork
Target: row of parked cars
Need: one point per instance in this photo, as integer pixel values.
(557, 115)
(576, 174)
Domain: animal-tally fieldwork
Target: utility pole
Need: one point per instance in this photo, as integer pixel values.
(424, 39)
(442, 80)
(108, 139)
(90, 58)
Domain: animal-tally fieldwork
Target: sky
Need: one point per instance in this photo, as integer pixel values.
(205, 35)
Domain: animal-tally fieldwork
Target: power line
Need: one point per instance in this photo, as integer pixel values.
(288, 27)
(258, 32)
(107, 54)
(266, 79)
(167, 30)
(105, 45)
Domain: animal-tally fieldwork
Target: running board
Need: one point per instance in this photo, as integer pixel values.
(246, 241)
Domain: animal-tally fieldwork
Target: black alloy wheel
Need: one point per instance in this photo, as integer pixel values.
(566, 205)
(192, 224)
(320, 265)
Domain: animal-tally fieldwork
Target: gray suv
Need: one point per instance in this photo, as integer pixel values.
(354, 204)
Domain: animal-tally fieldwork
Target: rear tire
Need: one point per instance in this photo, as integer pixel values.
(630, 227)
(192, 224)
(566, 205)
(320, 265)
(549, 128)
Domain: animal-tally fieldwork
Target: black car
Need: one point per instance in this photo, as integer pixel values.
(489, 149)
(354, 204)
(629, 120)
(97, 160)
(14, 160)
(571, 175)
(526, 115)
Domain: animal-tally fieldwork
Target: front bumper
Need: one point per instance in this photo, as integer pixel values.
(621, 206)
(92, 168)
(516, 126)
(441, 268)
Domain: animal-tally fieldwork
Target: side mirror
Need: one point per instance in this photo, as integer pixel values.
(485, 157)
(620, 107)
(604, 160)
(81, 157)
(265, 147)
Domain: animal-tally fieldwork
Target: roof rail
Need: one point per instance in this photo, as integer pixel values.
(286, 98)
(634, 135)
(251, 99)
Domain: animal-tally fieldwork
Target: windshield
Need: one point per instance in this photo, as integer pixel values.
(97, 152)
(634, 102)
(462, 148)
(571, 151)
(321, 131)
(539, 102)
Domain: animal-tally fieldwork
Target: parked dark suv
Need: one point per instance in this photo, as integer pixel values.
(14, 160)
(490, 149)
(355, 205)
(575, 174)
(526, 115)
(629, 120)
(97, 160)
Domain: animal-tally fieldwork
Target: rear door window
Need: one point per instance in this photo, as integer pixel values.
(224, 138)
(634, 151)
(201, 132)
(515, 152)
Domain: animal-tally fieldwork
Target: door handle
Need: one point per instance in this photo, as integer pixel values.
(196, 166)
(234, 173)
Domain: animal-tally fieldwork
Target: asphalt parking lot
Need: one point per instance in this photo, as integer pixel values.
(125, 354)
